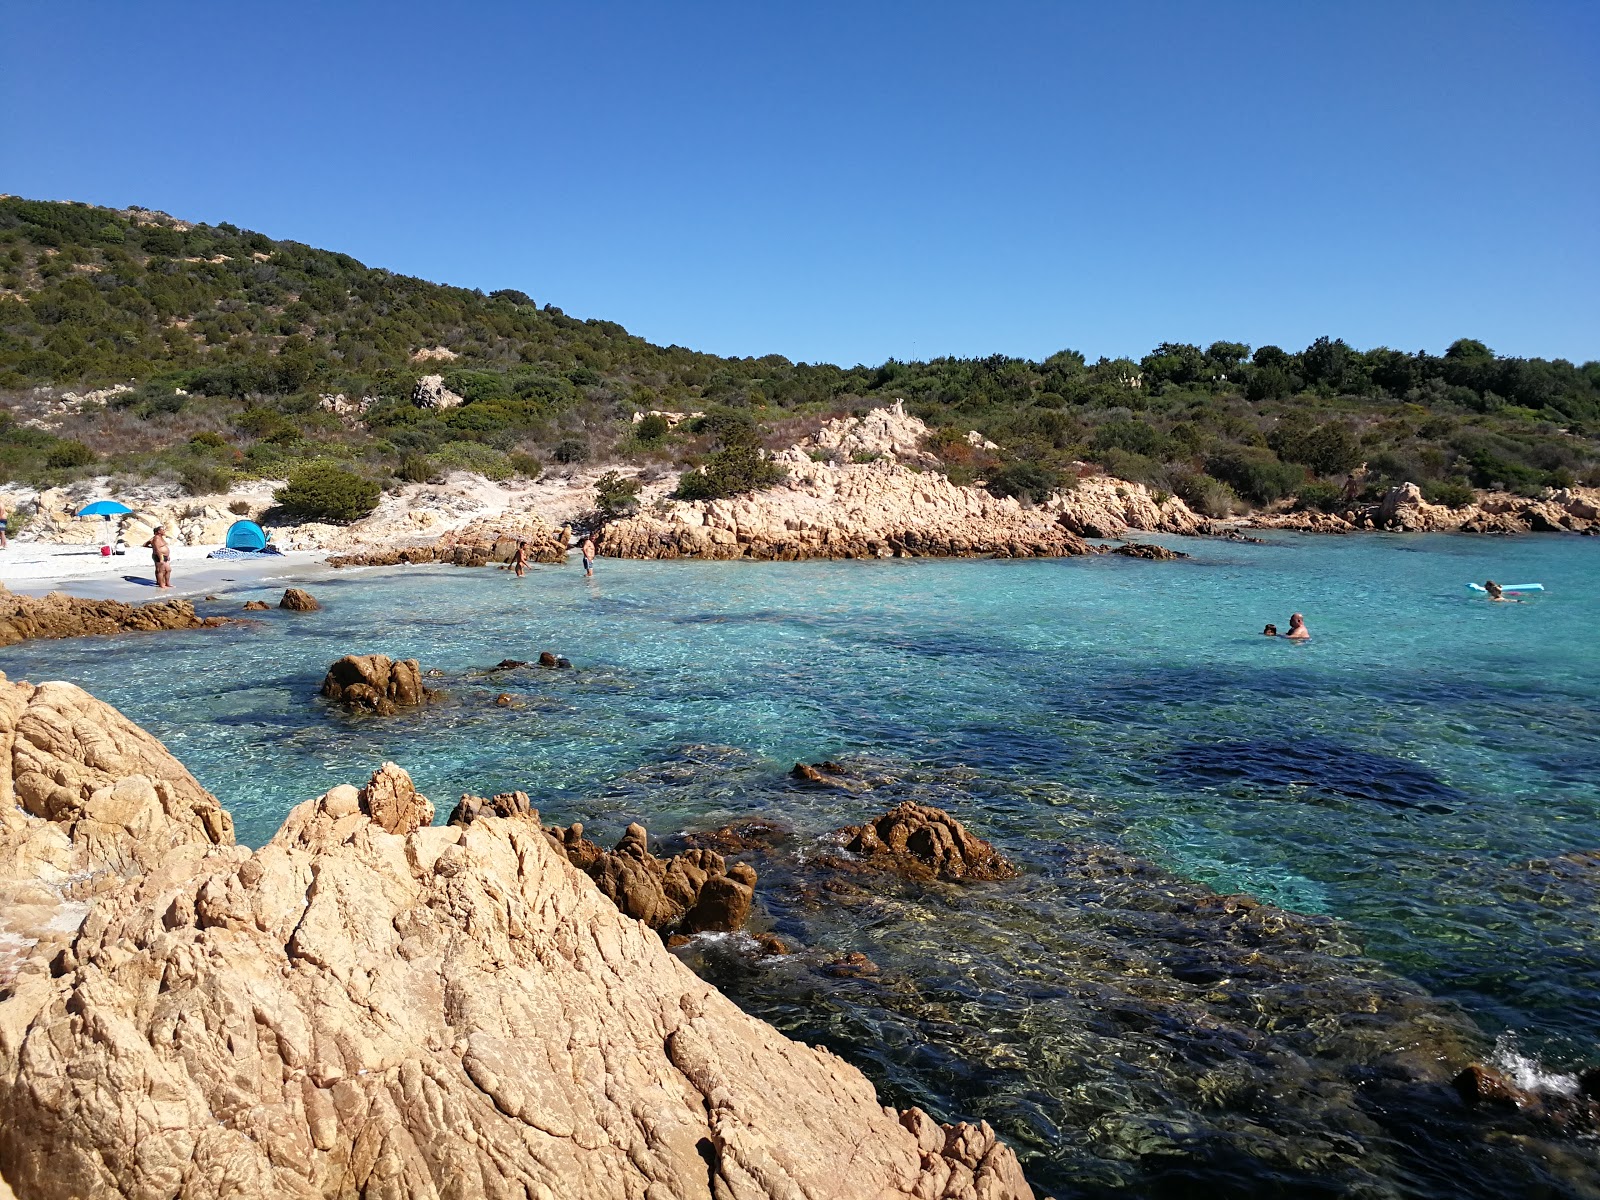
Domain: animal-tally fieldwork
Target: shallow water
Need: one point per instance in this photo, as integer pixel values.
(1395, 774)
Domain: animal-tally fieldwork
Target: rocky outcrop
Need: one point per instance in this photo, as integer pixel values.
(257, 606)
(923, 842)
(693, 892)
(431, 392)
(372, 1006)
(376, 683)
(1101, 506)
(1148, 551)
(61, 616)
(296, 600)
(477, 544)
(1404, 509)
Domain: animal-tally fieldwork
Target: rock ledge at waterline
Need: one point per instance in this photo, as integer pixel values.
(370, 1005)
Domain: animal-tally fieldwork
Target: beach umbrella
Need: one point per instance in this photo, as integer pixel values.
(104, 508)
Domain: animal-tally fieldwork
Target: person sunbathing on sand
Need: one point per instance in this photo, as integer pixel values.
(1297, 629)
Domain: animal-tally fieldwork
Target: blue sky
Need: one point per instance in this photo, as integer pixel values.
(855, 181)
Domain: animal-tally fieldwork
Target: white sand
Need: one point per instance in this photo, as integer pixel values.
(34, 568)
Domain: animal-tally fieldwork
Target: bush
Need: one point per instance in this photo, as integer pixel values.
(526, 465)
(1329, 449)
(1322, 496)
(67, 455)
(1207, 496)
(204, 479)
(615, 496)
(570, 450)
(1256, 475)
(322, 492)
(240, 508)
(651, 428)
(206, 440)
(415, 468)
(1024, 480)
(476, 457)
(1449, 492)
(728, 473)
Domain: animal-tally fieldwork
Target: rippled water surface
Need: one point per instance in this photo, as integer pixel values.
(1391, 779)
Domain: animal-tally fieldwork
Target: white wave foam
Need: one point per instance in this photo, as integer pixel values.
(1526, 1072)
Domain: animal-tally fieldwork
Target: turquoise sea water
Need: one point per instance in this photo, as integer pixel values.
(1396, 774)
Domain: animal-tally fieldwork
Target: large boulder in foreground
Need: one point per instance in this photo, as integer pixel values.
(920, 841)
(437, 1011)
(60, 616)
(376, 683)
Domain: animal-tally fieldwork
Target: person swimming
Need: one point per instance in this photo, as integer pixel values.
(1270, 631)
(1297, 629)
(1496, 592)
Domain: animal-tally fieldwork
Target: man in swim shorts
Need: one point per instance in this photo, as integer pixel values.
(162, 556)
(1297, 629)
(588, 556)
(5, 526)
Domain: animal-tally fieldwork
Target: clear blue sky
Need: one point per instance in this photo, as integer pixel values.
(856, 181)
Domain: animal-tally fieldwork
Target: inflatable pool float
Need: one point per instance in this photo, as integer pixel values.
(1511, 587)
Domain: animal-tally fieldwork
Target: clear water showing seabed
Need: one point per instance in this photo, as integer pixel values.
(1394, 773)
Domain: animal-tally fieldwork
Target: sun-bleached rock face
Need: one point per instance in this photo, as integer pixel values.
(1104, 507)
(86, 798)
(1404, 509)
(372, 1006)
(831, 507)
(477, 544)
(431, 393)
(59, 616)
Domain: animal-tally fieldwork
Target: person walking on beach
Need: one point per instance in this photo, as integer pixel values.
(162, 555)
(5, 526)
(1297, 629)
(521, 561)
(587, 550)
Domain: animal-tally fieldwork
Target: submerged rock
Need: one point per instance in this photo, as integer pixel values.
(825, 774)
(369, 1005)
(257, 606)
(296, 600)
(918, 841)
(1146, 550)
(376, 683)
(61, 616)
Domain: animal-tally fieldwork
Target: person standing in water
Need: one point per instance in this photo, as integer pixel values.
(521, 561)
(1297, 629)
(162, 556)
(587, 549)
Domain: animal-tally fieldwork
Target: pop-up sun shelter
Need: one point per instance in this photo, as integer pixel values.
(245, 535)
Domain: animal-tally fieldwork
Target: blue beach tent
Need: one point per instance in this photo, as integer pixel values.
(245, 535)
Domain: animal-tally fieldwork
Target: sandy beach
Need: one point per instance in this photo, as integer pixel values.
(36, 568)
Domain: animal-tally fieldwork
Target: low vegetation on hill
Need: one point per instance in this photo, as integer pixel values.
(133, 342)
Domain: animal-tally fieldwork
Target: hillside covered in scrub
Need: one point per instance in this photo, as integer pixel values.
(133, 342)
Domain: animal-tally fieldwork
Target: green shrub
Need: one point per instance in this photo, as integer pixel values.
(729, 473)
(1255, 474)
(1324, 497)
(204, 479)
(1329, 449)
(416, 468)
(66, 455)
(206, 440)
(615, 496)
(570, 450)
(476, 457)
(1024, 480)
(323, 492)
(1208, 496)
(1449, 492)
(526, 465)
(650, 429)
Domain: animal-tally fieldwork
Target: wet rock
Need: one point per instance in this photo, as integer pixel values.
(554, 662)
(692, 892)
(257, 606)
(60, 616)
(1147, 550)
(771, 944)
(824, 774)
(507, 700)
(756, 833)
(509, 664)
(854, 965)
(923, 842)
(296, 600)
(376, 683)
(1478, 1084)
